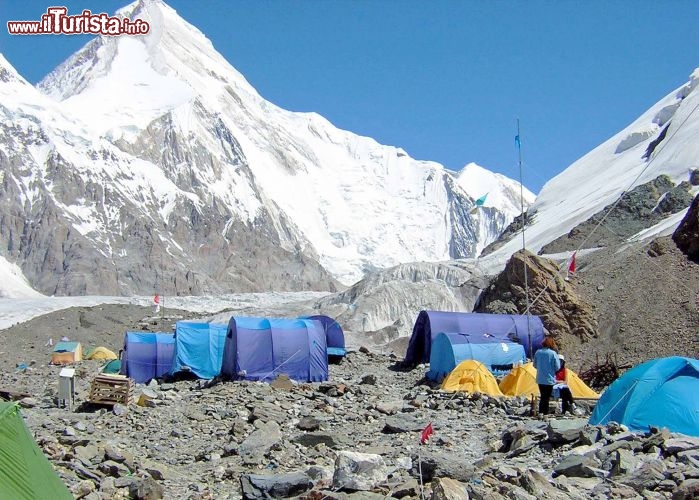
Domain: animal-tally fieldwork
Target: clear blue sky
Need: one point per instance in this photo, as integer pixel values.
(445, 80)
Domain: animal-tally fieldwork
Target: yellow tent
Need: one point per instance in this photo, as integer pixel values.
(471, 376)
(521, 381)
(101, 353)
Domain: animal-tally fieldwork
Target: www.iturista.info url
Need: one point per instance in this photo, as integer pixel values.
(56, 21)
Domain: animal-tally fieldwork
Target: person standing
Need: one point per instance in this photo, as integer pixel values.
(547, 364)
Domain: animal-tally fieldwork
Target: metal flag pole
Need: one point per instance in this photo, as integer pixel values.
(518, 142)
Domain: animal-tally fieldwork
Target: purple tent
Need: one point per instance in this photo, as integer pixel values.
(147, 355)
(262, 348)
(481, 328)
(334, 335)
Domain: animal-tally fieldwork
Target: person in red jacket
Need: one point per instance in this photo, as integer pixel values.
(561, 386)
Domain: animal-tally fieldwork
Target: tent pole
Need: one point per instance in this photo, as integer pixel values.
(518, 142)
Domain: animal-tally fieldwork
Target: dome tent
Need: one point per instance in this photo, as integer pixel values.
(500, 327)
(521, 381)
(450, 349)
(25, 472)
(473, 377)
(659, 393)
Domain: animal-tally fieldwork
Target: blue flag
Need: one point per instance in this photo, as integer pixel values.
(481, 200)
(517, 142)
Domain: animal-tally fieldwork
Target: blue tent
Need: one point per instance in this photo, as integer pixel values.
(199, 347)
(481, 326)
(334, 335)
(450, 349)
(660, 393)
(262, 348)
(147, 355)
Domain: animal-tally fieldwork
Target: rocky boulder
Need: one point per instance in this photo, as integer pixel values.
(561, 309)
(686, 236)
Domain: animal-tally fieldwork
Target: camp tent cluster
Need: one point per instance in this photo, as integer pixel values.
(467, 350)
(474, 328)
(246, 348)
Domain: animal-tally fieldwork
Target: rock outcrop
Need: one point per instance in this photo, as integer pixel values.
(552, 298)
(686, 236)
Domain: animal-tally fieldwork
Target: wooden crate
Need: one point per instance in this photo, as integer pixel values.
(111, 389)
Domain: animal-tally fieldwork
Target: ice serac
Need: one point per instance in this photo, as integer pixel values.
(150, 162)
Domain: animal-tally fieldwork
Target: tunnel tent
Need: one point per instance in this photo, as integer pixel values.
(263, 348)
(482, 327)
(450, 349)
(335, 337)
(147, 355)
(657, 393)
(199, 348)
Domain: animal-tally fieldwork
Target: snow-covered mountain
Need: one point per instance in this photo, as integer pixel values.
(501, 197)
(150, 162)
(663, 140)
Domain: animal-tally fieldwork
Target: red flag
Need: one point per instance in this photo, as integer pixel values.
(571, 267)
(426, 433)
(156, 299)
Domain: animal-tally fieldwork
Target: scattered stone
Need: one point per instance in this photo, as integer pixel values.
(647, 476)
(430, 465)
(358, 471)
(256, 486)
(402, 423)
(29, 402)
(311, 439)
(369, 379)
(119, 410)
(282, 383)
(688, 490)
(260, 442)
(83, 488)
(146, 489)
(674, 446)
(389, 407)
(562, 431)
(448, 489)
(86, 453)
(576, 466)
(309, 424)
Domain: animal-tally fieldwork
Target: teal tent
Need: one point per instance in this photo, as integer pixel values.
(450, 349)
(25, 473)
(659, 393)
(199, 348)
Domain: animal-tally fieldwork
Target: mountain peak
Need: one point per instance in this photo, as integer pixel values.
(172, 50)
